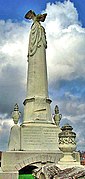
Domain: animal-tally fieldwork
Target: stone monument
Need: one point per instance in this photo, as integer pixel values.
(33, 145)
(35, 142)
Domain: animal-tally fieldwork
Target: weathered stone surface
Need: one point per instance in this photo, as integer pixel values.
(41, 137)
(67, 145)
(37, 103)
(14, 140)
(42, 176)
(9, 175)
(54, 172)
(15, 160)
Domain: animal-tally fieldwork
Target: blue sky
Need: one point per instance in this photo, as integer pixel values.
(65, 31)
(16, 9)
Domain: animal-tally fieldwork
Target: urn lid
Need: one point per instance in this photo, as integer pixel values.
(67, 131)
(16, 107)
(67, 127)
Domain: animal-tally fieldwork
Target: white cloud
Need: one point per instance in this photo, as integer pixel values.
(66, 41)
(14, 43)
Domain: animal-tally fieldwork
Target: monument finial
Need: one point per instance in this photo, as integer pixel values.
(31, 15)
(57, 116)
(16, 114)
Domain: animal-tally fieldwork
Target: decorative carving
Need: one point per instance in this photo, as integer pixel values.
(67, 136)
(16, 114)
(67, 143)
(57, 116)
(67, 140)
(37, 34)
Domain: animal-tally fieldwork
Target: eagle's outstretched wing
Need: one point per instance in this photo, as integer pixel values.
(41, 17)
(30, 14)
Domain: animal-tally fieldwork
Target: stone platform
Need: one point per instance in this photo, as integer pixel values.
(13, 161)
(34, 144)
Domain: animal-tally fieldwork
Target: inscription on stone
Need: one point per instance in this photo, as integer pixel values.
(38, 138)
(49, 135)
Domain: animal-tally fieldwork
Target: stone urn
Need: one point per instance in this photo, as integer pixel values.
(67, 143)
(57, 117)
(16, 114)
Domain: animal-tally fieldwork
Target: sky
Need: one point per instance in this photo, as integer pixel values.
(65, 32)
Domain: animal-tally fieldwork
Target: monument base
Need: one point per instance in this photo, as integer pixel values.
(35, 144)
(72, 161)
(34, 137)
(13, 161)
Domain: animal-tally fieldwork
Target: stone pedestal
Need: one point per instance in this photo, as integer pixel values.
(67, 145)
(35, 136)
(39, 136)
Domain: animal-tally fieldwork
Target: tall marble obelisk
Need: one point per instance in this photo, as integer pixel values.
(38, 132)
(37, 103)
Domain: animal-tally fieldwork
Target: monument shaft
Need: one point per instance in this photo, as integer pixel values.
(37, 103)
